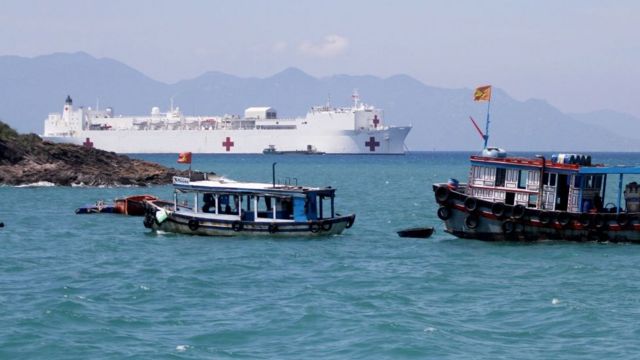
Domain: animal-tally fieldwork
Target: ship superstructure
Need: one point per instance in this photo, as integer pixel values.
(358, 129)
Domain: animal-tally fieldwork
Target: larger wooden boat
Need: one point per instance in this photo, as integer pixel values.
(222, 207)
(562, 198)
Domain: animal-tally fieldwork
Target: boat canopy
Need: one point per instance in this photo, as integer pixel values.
(616, 170)
(613, 170)
(222, 185)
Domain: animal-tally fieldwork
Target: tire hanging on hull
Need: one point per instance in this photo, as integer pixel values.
(444, 213)
(471, 221)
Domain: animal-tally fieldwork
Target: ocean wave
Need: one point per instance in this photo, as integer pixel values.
(37, 184)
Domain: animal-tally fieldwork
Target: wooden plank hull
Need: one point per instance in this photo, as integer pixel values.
(472, 218)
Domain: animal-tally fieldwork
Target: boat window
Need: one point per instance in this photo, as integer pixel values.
(549, 179)
(501, 175)
(597, 183)
(284, 208)
(589, 182)
(228, 204)
(576, 180)
(533, 201)
(265, 210)
(522, 179)
(208, 203)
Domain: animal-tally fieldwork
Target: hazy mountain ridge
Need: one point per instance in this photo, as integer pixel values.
(30, 88)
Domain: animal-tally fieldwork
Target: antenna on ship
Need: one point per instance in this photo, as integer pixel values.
(483, 93)
(356, 98)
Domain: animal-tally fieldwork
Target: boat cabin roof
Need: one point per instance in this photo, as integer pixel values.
(223, 185)
(610, 170)
(528, 163)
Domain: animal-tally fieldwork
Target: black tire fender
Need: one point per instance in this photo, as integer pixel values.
(518, 211)
(444, 213)
(442, 194)
(273, 228)
(508, 227)
(471, 204)
(564, 218)
(236, 226)
(193, 224)
(314, 227)
(498, 209)
(471, 221)
(599, 222)
(622, 219)
(585, 219)
(326, 226)
(149, 220)
(544, 217)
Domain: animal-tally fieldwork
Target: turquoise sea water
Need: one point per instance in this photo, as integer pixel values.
(103, 286)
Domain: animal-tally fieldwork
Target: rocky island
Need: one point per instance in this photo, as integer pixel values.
(27, 159)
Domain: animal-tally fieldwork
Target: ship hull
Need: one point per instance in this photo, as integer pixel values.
(250, 141)
(470, 218)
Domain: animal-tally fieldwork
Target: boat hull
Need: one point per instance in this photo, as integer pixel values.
(185, 223)
(250, 141)
(470, 218)
(132, 205)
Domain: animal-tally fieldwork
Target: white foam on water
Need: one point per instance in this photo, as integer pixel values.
(429, 329)
(37, 184)
(182, 348)
(555, 301)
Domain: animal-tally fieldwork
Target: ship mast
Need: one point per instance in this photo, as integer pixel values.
(483, 93)
(486, 127)
(356, 98)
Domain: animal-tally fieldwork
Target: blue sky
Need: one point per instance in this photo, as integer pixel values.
(578, 55)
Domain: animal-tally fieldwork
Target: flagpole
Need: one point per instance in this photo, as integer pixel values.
(486, 130)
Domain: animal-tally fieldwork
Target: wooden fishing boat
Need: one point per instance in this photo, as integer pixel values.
(100, 207)
(222, 207)
(132, 205)
(562, 198)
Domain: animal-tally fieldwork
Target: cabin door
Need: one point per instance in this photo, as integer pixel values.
(562, 192)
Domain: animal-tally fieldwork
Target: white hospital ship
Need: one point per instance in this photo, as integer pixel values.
(358, 129)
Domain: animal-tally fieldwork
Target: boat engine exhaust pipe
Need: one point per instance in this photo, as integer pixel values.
(273, 173)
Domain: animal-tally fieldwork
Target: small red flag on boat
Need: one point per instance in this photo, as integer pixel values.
(482, 93)
(184, 158)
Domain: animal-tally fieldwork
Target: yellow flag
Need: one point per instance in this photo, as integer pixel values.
(482, 93)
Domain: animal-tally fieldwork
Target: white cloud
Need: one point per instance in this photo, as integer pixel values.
(279, 47)
(330, 46)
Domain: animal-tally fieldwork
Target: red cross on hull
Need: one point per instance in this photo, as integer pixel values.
(87, 143)
(372, 143)
(228, 144)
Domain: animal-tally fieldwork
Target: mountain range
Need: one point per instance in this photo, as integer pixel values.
(31, 88)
